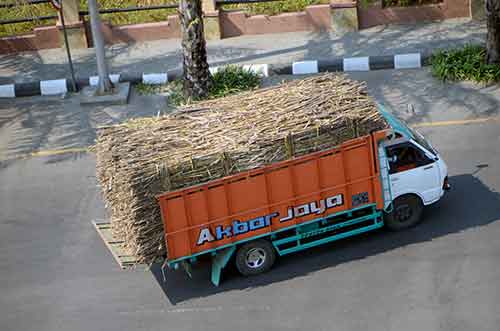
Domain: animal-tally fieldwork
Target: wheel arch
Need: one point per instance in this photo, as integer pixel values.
(410, 193)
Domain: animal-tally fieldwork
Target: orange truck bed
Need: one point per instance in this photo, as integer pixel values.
(263, 201)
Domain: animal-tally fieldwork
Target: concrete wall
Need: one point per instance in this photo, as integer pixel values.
(376, 15)
(237, 23)
(41, 38)
(138, 32)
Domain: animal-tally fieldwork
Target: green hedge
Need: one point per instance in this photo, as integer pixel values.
(464, 64)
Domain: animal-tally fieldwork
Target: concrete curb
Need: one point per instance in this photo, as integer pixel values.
(367, 63)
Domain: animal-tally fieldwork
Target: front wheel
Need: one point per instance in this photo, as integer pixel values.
(406, 212)
(255, 257)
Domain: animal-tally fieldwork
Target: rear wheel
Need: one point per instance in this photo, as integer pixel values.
(255, 257)
(406, 212)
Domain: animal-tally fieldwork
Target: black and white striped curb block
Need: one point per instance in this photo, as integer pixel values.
(365, 63)
(61, 86)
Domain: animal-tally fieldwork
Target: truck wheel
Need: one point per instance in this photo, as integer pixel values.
(406, 212)
(255, 257)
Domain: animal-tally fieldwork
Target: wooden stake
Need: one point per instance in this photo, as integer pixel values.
(192, 162)
(164, 176)
(289, 146)
(355, 128)
(226, 162)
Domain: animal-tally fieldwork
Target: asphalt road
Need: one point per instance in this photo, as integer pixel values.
(56, 274)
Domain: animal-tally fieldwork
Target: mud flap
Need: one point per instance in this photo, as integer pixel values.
(187, 268)
(219, 261)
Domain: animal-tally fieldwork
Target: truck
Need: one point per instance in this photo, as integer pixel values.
(252, 218)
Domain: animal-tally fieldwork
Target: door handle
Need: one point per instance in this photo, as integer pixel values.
(428, 167)
(394, 179)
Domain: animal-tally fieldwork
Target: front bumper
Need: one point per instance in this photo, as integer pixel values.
(446, 184)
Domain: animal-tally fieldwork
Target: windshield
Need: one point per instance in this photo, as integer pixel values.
(400, 126)
(421, 141)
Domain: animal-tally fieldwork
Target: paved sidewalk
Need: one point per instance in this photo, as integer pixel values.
(163, 55)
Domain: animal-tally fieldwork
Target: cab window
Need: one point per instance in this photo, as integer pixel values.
(405, 157)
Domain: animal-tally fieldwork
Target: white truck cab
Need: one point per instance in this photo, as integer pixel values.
(415, 174)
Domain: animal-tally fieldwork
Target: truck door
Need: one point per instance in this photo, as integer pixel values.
(412, 171)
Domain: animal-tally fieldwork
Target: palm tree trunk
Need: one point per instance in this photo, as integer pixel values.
(493, 36)
(195, 66)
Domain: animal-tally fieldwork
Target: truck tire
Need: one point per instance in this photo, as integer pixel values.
(255, 257)
(406, 212)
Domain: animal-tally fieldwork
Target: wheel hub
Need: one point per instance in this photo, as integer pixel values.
(255, 258)
(403, 213)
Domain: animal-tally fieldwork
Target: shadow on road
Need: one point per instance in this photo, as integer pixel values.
(43, 123)
(468, 205)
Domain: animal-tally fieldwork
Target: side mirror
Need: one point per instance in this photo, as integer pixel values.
(410, 109)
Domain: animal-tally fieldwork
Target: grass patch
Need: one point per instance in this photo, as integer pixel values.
(228, 80)
(172, 89)
(146, 16)
(232, 79)
(464, 64)
(277, 7)
(407, 3)
(22, 10)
